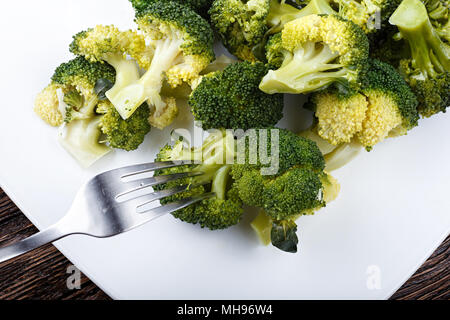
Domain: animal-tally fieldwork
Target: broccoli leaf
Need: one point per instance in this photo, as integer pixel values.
(284, 235)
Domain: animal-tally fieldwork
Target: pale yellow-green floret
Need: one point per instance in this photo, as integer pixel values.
(104, 42)
(188, 71)
(46, 106)
(381, 118)
(317, 29)
(340, 118)
(161, 118)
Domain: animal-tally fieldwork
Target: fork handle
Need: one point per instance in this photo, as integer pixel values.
(35, 241)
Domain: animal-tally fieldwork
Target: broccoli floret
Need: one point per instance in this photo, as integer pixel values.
(225, 208)
(294, 188)
(384, 106)
(323, 50)
(240, 24)
(297, 188)
(182, 42)
(340, 115)
(109, 44)
(71, 93)
(245, 26)
(275, 52)
(199, 6)
(231, 99)
(386, 47)
(76, 98)
(427, 70)
(124, 134)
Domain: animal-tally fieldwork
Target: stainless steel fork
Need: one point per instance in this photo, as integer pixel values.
(97, 211)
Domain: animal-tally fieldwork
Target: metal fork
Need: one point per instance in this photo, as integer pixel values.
(97, 211)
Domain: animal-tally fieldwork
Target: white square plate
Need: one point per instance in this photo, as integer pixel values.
(392, 213)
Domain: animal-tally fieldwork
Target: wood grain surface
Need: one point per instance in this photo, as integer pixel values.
(42, 274)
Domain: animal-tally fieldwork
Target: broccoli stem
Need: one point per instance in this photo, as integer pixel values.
(308, 70)
(220, 182)
(148, 87)
(126, 73)
(262, 225)
(81, 139)
(429, 53)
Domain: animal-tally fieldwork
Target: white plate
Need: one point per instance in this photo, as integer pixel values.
(392, 213)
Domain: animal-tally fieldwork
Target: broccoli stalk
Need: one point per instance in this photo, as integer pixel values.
(126, 73)
(109, 44)
(308, 70)
(430, 55)
(427, 68)
(181, 42)
(218, 212)
(148, 87)
(81, 138)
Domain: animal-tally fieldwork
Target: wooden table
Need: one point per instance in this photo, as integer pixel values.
(42, 274)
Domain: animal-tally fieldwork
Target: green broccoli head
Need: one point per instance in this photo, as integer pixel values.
(182, 44)
(275, 52)
(123, 134)
(386, 47)
(225, 208)
(231, 99)
(295, 188)
(324, 49)
(199, 6)
(240, 24)
(383, 80)
(74, 84)
(245, 26)
(427, 69)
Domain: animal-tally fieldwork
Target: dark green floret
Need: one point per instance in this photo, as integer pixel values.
(292, 189)
(197, 34)
(80, 68)
(124, 134)
(200, 6)
(275, 53)
(77, 79)
(382, 77)
(231, 99)
(295, 188)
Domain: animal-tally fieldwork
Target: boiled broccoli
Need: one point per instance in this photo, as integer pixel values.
(427, 68)
(225, 208)
(109, 44)
(182, 42)
(317, 51)
(384, 106)
(231, 99)
(199, 6)
(71, 93)
(76, 99)
(295, 189)
(123, 134)
(244, 26)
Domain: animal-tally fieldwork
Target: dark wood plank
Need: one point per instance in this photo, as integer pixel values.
(41, 274)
